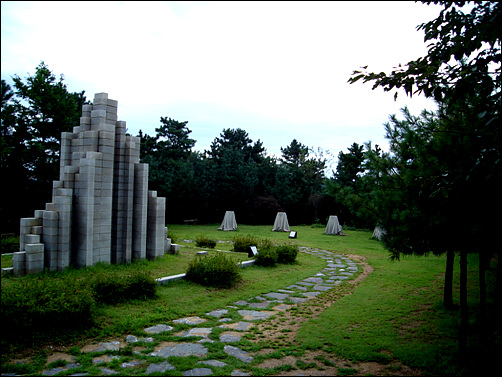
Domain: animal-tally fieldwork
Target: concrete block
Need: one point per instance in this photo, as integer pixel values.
(31, 239)
(175, 248)
(100, 98)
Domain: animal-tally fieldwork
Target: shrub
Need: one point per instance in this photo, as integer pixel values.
(286, 253)
(10, 244)
(204, 241)
(42, 305)
(266, 257)
(213, 271)
(111, 287)
(242, 243)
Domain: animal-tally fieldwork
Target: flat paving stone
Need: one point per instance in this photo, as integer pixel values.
(190, 320)
(238, 353)
(198, 372)
(53, 371)
(240, 303)
(217, 313)
(160, 367)
(253, 315)
(298, 300)
(239, 326)
(182, 349)
(109, 346)
(313, 280)
(108, 372)
(237, 372)
(311, 294)
(336, 265)
(213, 363)
(299, 287)
(259, 305)
(230, 336)
(276, 295)
(198, 331)
(104, 359)
(157, 329)
(322, 288)
(131, 364)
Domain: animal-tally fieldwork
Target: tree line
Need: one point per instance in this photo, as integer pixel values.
(234, 174)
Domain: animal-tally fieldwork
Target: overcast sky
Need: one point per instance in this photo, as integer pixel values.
(278, 70)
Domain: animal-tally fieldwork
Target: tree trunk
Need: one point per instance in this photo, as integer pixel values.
(483, 259)
(448, 280)
(464, 310)
(498, 286)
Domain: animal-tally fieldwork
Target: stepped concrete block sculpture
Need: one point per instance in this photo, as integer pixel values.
(101, 209)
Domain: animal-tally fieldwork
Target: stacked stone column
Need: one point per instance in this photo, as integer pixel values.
(101, 209)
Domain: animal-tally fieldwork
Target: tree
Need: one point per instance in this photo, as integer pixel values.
(462, 72)
(236, 163)
(350, 166)
(171, 173)
(349, 188)
(33, 117)
(299, 177)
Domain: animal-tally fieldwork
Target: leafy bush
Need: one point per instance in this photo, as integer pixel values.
(41, 305)
(10, 244)
(242, 243)
(286, 253)
(214, 271)
(111, 287)
(204, 241)
(266, 257)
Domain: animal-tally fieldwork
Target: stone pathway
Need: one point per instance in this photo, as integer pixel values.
(231, 330)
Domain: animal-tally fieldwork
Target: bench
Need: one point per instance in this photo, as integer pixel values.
(191, 221)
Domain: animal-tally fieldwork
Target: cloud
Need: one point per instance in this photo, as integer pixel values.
(279, 70)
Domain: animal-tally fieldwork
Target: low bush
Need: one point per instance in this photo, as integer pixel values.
(41, 305)
(266, 257)
(286, 253)
(10, 244)
(204, 241)
(214, 271)
(112, 287)
(242, 243)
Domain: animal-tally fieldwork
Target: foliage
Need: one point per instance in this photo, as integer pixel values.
(441, 162)
(111, 287)
(463, 56)
(10, 244)
(204, 241)
(33, 305)
(286, 253)
(242, 243)
(267, 257)
(350, 166)
(214, 271)
(33, 116)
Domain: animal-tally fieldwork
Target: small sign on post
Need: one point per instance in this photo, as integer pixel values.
(252, 251)
(292, 234)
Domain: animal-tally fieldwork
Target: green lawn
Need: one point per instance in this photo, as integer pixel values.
(394, 314)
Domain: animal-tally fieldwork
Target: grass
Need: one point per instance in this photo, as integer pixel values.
(394, 314)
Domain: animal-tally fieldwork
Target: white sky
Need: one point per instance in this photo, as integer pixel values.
(278, 70)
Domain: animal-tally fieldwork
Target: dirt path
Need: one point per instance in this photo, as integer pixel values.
(331, 365)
